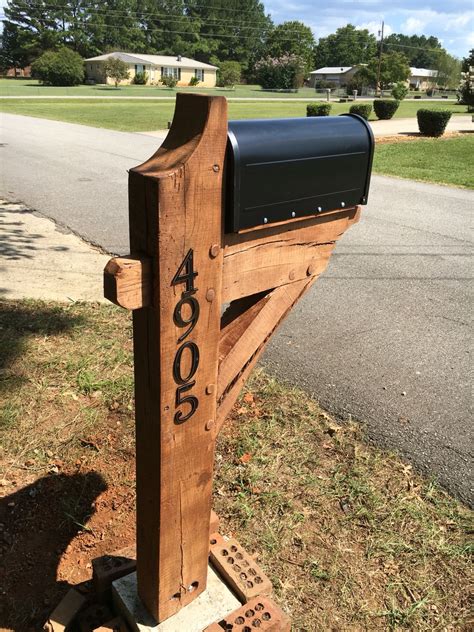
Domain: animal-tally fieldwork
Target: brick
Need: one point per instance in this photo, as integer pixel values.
(108, 568)
(238, 569)
(93, 617)
(260, 613)
(65, 611)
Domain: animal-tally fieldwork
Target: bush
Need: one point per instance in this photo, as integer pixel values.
(280, 73)
(169, 82)
(62, 67)
(228, 74)
(193, 81)
(399, 91)
(433, 122)
(140, 78)
(385, 108)
(362, 109)
(318, 109)
(116, 69)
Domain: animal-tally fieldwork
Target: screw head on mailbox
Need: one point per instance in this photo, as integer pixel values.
(195, 249)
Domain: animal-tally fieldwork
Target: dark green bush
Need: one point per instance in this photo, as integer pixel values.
(318, 109)
(194, 81)
(362, 109)
(169, 81)
(385, 108)
(140, 78)
(433, 122)
(62, 67)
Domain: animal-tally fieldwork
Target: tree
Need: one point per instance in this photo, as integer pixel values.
(292, 38)
(62, 67)
(281, 73)
(421, 51)
(449, 71)
(348, 46)
(393, 69)
(468, 62)
(400, 91)
(229, 73)
(229, 30)
(116, 69)
(14, 51)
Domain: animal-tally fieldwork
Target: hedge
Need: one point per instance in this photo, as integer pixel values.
(362, 109)
(385, 108)
(433, 122)
(318, 109)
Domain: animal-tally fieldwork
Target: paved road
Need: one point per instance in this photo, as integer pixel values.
(384, 336)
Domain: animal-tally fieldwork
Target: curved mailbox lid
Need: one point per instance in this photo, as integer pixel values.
(283, 168)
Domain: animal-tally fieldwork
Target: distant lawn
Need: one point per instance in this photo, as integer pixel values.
(446, 161)
(140, 116)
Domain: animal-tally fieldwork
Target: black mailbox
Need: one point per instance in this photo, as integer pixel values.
(278, 169)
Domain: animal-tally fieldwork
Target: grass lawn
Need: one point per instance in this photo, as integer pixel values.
(32, 87)
(140, 116)
(442, 160)
(351, 537)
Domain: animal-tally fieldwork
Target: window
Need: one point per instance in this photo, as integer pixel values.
(139, 68)
(167, 71)
(199, 74)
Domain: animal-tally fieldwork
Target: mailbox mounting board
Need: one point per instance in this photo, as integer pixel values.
(279, 169)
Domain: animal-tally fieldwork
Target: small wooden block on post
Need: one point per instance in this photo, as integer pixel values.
(127, 281)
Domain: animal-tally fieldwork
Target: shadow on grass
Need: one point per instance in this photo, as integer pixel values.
(38, 523)
(21, 319)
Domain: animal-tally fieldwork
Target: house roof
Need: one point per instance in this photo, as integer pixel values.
(154, 60)
(423, 72)
(332, 70)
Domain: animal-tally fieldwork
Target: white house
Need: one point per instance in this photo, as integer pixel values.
(336, 75)
(156, 67)
(422, 78)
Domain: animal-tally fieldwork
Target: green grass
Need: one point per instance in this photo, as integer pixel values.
(141, 116)
(32, 87)
(446, 161)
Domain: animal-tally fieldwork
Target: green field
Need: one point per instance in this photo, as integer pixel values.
(140, 116)
(31, 88)
(446, 161)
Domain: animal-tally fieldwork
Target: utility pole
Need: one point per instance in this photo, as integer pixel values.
(378, 89)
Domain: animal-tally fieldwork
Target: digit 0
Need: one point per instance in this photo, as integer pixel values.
(194, 351)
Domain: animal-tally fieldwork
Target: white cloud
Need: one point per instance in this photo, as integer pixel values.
(374, 27)
(413, 25)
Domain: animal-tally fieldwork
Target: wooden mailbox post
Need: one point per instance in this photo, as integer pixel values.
(191, 359)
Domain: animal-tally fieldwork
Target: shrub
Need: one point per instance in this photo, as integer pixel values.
(399, 91)
(280, 73)
(433, 122)
(228, 74)
(362, 109)
(318, 109)
(193, 81)
(140, 78)
(116, 69)
(385, 108)
(62, 67)
(169, 82)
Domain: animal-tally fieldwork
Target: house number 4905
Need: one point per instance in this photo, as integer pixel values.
(186, 404)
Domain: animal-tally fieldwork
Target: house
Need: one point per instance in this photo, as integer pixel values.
(422, 78)
(156, 67)
(336, 75)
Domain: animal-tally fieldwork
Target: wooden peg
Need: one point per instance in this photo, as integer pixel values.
(127, 281)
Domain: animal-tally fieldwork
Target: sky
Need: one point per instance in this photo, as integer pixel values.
(451, 21)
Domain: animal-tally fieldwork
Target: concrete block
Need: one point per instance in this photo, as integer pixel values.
(213, 604)
(65, 611)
